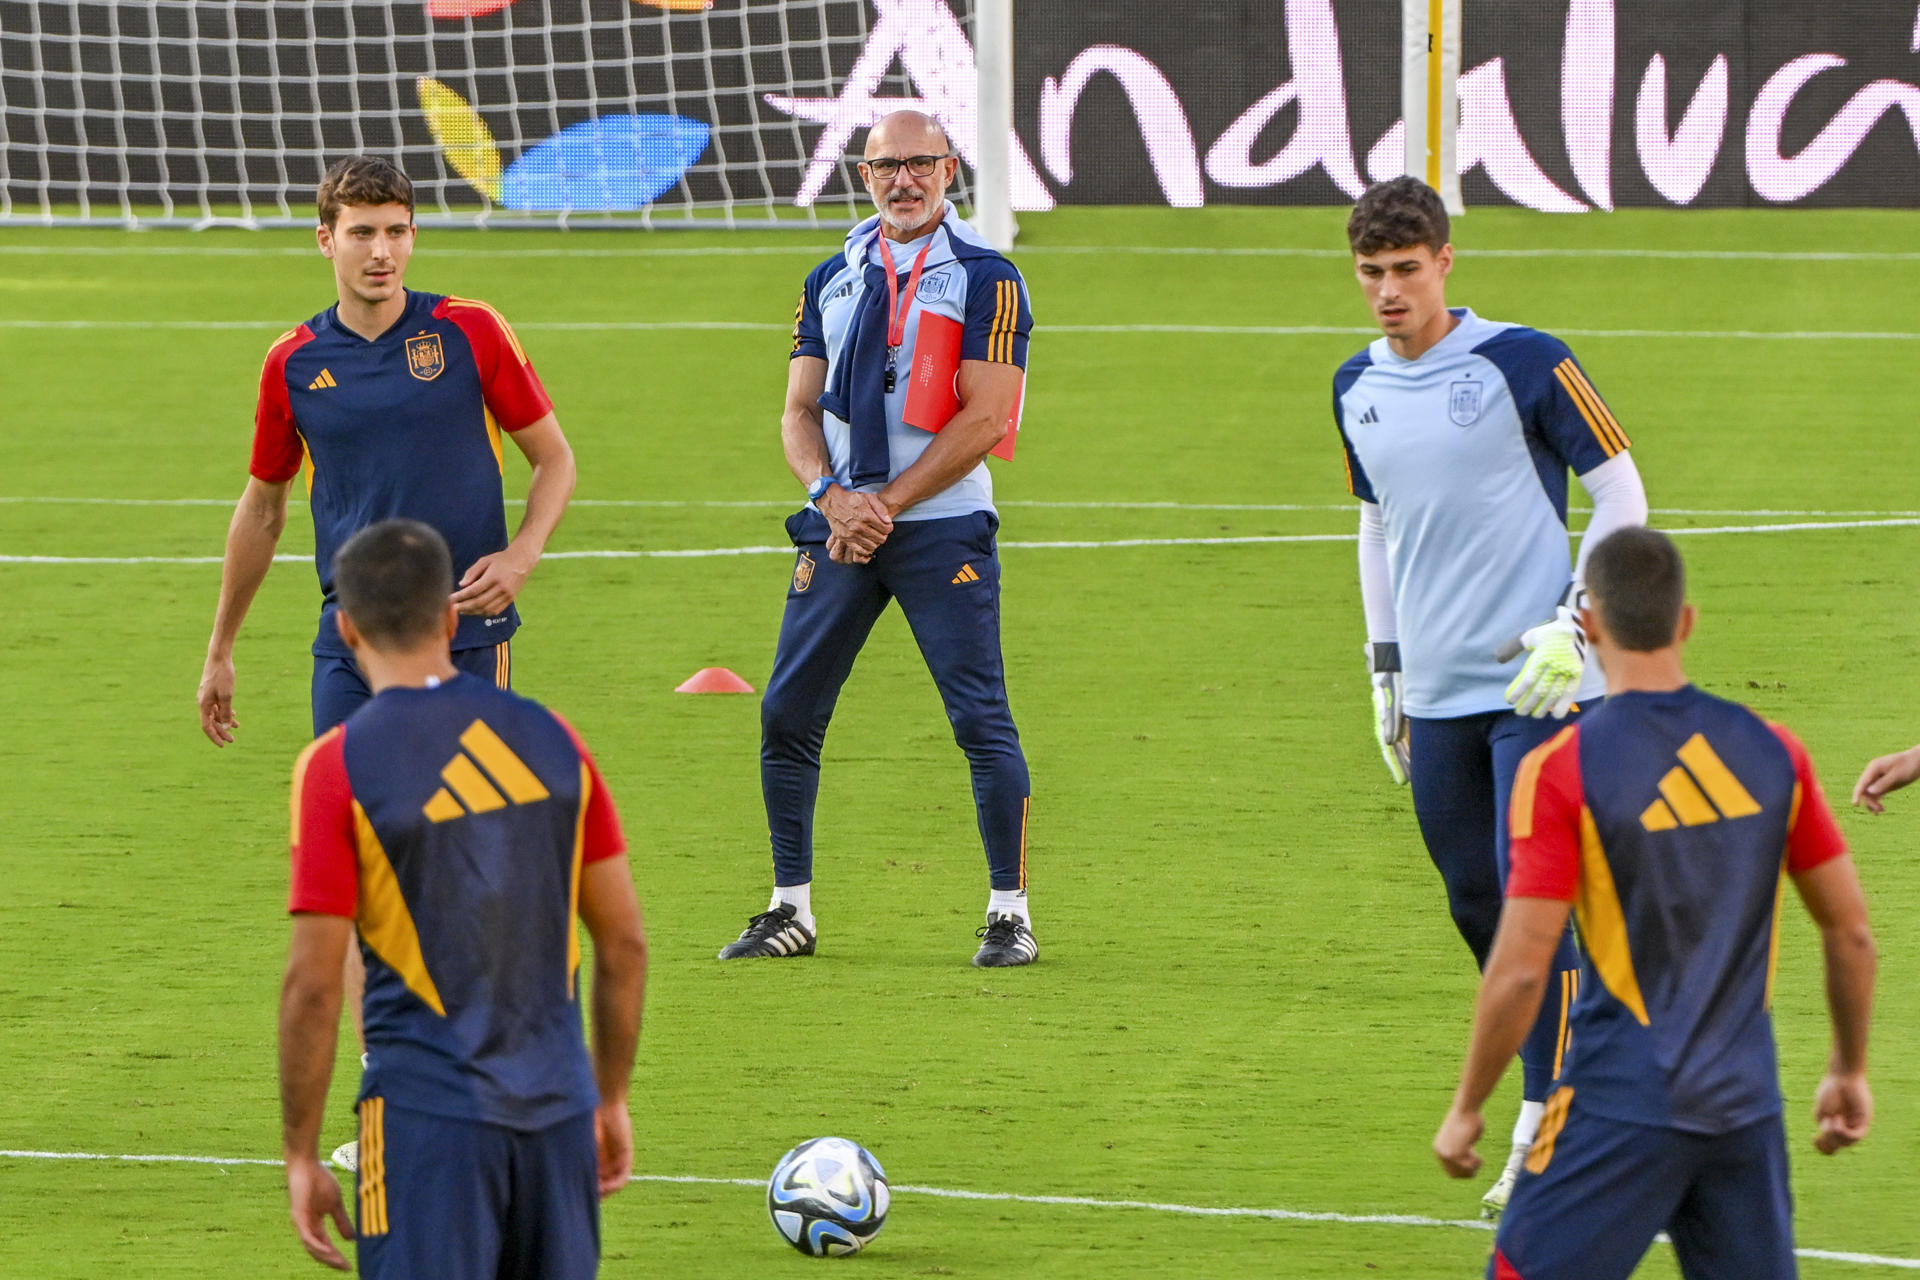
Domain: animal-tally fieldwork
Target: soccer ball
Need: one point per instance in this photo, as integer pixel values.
(828, 1197)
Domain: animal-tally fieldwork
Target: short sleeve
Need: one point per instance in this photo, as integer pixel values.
(809, 333)
(1556, 400)
(1543, 821)
(277, 447)
(1343, 380)
(999, 316)
(511, 389)
(1813, 837)
(601, 836)
(326, 864)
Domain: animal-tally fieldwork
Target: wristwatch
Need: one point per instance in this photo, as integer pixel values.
(818, 488)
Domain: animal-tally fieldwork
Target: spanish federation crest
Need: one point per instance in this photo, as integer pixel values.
(802, 573)
(426, 358)
(933, 286)
(1463, 403)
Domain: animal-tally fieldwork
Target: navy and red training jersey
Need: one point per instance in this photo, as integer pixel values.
(451, 825)
(407, 425)
(1670, 820)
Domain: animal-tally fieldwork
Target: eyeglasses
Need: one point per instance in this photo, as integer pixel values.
(885, 167)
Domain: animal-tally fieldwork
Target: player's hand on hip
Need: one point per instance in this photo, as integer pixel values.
(313, 1196)
(613, 1136)
(1556, 659)
(1454, 1143)
(1843, 1106)
(1389, 718)
(1888, 773)
(216, 701)
(490, 585)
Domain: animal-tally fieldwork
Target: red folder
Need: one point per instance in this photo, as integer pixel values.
(932, 398)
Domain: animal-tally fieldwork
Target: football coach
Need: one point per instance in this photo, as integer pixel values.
(900, 506)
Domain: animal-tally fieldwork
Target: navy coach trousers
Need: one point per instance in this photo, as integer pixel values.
(946, 576)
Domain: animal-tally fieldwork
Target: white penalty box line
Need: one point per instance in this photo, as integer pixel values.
(704, 553)
(1006, 1197)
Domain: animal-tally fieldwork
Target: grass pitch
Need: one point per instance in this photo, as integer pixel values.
(1249, 992)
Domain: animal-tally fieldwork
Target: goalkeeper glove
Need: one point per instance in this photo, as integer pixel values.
(1556, 659)
(1389, 720)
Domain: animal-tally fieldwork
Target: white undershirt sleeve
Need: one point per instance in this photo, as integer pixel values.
(1376, 580)
(1619, 502)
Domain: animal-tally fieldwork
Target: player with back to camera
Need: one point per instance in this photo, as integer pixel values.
(895, 512)
(393, 403)
(1666, 821)
(1458, 434)
(465, 831)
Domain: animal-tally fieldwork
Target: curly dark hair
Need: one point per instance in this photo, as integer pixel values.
(362, 180)
(1398, 214)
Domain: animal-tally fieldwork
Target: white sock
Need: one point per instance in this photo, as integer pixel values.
(1009, 902)
(797, 896)
(1527, 1127)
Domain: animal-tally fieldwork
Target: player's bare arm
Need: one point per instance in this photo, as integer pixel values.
(989, 392)
(1510, 992)
(310, 998)
(1843, 1105)
(611, 911)
(493, 582)
(1887, 773)
(252, 537)
(858, 523)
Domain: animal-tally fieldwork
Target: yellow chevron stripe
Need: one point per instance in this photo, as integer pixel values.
(573, 887)
(1551, 1123)
(505, 328)
(519, 782)
(1603, 926)
(1526, 785)
(1732, 799)
(1657, 817)
(1566, 1003)
(1579, 375)
(472, 786)
(1564, 372)
(385, 923)
(1594, 424)
(1688, 804)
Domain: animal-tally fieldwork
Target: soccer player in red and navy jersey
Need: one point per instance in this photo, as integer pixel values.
(1667, 821)
(391, 403)
(465, 831)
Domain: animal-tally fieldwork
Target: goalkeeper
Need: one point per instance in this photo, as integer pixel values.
(1459, 434)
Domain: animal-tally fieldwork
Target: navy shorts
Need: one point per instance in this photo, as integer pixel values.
(1595, 1191)
(339, 689)
(443, 1199)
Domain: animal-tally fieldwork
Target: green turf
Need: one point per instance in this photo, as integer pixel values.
(1250, 994)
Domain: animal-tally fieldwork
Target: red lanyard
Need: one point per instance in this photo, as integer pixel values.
(897, 307)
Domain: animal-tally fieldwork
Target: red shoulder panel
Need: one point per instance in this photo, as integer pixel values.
(1814, 837)
(508, 383)
(326, 861)
(277, 448)
(602, 833)
(1543, 821)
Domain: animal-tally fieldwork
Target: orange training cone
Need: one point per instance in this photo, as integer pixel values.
(714, 680)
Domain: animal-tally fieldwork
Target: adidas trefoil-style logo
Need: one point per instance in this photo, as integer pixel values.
(965, 575)
(1697, 791)
(322, 382)
(476, 794)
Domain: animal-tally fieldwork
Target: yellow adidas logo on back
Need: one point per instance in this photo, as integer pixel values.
(1693, 788)
(324, 380)
(476, 794)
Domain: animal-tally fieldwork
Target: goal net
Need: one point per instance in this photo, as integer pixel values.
(544, 112)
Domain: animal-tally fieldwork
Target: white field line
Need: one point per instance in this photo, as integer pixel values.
(505, 249)
(791, 504)
(1008, 1197)
(707, 553)
(1225, 330)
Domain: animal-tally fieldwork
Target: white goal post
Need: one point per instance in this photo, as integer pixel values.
(1429, 94)
(570, 113)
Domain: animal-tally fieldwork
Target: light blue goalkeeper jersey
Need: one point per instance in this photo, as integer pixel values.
(1467, 450)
